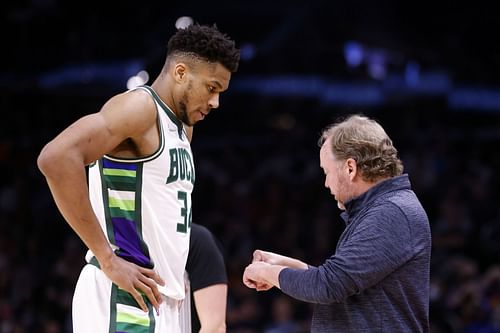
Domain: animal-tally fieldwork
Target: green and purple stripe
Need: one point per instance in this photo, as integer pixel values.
(126, 315)
(122, 183)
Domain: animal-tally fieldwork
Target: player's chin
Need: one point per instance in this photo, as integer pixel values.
(196, 120)
(190, 122)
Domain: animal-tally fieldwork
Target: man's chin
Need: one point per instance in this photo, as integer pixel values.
(340, 205)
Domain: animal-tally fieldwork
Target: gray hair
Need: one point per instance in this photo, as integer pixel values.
(364, 140)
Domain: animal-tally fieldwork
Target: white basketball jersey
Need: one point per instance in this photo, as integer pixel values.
(185, 309)
(144, 205)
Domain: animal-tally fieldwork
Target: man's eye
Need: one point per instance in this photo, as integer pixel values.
(211, 89)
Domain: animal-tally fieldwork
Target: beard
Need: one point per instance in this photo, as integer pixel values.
(183, 112)
(183, 115)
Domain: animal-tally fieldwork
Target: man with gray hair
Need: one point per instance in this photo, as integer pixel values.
(378, 278)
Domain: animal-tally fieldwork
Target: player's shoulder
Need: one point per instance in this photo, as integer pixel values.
(134, 105)
(137, 99)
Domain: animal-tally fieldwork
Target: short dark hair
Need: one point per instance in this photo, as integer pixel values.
(207, 43)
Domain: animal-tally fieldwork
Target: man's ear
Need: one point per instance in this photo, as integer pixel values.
(352, 168)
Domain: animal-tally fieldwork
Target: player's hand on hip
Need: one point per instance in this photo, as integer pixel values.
(135, 280)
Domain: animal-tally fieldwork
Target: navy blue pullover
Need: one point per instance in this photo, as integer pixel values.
(378, 278)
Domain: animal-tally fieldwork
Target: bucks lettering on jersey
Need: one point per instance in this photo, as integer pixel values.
(144, 205)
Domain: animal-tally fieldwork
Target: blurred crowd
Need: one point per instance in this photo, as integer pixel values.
(259, 185)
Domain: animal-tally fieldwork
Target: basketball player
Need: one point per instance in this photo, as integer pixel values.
(204, 308)
(135, 215)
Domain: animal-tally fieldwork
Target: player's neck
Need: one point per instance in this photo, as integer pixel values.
(162, 87)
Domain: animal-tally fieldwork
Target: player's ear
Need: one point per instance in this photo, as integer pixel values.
(180, 71)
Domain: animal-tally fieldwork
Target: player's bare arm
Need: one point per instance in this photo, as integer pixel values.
(126, 117)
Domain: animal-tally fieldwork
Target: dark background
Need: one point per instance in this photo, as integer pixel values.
(428, 71)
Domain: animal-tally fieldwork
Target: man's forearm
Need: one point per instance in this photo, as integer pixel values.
(295, 263)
